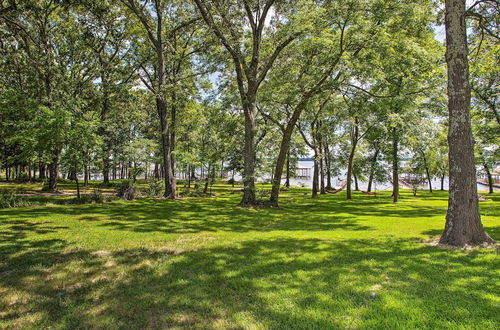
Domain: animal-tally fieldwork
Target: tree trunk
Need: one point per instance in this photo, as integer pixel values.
(372, 170)
(328, 168)
(427, 172)
(429, 179)
(41, 171)
(170, 184)
(249, 156)
(490, 179)
(463, 221)
(287, 181)
(105, 169)
(442, 182)
(284, 153)
(354, 141)
(86, 176)
(321, 171)
(75, 177)
(173, 124)
(395, 166)
(315, 185)
(356, 186)
(205, 189)
(349, 171)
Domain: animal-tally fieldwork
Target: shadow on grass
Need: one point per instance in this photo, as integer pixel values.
(271, 283)
(493, 231)
(331, 212)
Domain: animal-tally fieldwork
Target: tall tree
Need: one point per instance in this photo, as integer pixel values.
(161, 20)
(253, 56)
(463, 221)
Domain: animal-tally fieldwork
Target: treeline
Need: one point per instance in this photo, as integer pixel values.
(171, 88)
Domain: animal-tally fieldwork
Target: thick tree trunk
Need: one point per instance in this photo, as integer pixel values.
(41, 171)
(249, 156)
(463, 221)
(395, 166)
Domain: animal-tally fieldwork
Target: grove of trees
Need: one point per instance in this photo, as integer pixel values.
(172, 89)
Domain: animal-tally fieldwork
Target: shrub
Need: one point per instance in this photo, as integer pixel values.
(127, 190)
(155, 188)
(23, 177)
(8, 200)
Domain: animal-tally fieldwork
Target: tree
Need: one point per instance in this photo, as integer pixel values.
(161, 22)
(463, 221)
(253, 56)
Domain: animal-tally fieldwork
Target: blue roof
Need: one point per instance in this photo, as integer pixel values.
(306, 159)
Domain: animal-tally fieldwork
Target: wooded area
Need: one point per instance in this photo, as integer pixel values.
(119, 87)
(249, 163)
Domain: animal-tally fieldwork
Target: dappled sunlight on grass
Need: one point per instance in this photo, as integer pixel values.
(206, 263)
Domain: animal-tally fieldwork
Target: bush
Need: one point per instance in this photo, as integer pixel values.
(23, 177)
(155, 188)
(127, 190)
(8, 200)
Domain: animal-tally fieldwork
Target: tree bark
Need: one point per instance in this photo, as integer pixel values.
(169, 178)
(442, 182)
(349, 171)
(490, 179)
(328, 168)
(427, 172)
(354, 142)
(287, 181)
(249, 155)
(86, 176)
(395, 166)
(315, 184)
(463, 221)
(372, 170)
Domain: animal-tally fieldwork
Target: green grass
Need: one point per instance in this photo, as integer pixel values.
(206, 263)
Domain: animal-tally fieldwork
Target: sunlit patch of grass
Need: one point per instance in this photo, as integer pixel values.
(206, 263)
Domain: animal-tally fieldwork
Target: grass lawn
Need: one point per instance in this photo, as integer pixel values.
(205, 263)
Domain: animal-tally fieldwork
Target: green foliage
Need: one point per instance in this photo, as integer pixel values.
(9, 199)
(127, 190)
(155, 188)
